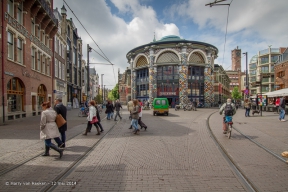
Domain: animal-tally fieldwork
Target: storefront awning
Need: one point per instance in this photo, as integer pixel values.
(278, 93)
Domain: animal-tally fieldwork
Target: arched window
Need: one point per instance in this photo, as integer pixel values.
(15, 92)
(196, 58)
(168, 57)
(142, 61)
(42, 95)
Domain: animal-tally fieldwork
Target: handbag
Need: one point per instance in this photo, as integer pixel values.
(60, 121)
(94, 120)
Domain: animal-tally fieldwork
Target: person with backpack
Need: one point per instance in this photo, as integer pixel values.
(282, 109)
(229, 109)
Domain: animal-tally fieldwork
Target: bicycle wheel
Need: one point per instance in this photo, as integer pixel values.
(230, 130)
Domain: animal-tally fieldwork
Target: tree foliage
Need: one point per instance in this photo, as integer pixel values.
(115, 91)
(236, 94)
(98, 98)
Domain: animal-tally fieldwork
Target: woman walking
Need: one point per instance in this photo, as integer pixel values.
(140, 122)
(109, 110)
(247, 106)
(49, 129)
(98, 117)
(135, 116)
(92, 115)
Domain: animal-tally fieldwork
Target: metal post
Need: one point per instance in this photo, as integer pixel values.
(261, 93)
(104, 91)
(102, 87)
(88, 72)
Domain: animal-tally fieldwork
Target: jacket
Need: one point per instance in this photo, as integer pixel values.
(282, 103)
(223, 108)
(109, 108)
(135, 113)
(48, 126)
(130, 105)
(247, 105)
(118, 106)
(97, 114)
(92, 113)
(61, 109)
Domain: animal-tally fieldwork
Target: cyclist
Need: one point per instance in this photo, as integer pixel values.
(229, 110)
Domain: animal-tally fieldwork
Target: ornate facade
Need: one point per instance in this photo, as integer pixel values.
(171, 67)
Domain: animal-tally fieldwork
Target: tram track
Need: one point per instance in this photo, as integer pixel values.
(23, 162)
(248, 183)
(77, 162)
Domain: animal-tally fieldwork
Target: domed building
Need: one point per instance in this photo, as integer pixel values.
(178, 69)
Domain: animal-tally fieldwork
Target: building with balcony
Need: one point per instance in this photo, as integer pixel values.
(27, 59)
(74, 64)
(60, 84)
(281, 71)
(175, 68)
(94, 83)
(221, 84)
(263, 64)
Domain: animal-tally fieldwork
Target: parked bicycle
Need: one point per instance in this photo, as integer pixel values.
(83, 112)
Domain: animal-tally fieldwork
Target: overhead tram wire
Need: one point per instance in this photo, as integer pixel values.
(214, 4)
(105, 57)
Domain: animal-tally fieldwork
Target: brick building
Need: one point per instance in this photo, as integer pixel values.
(281, 71)
(124, 83)
(27, 56)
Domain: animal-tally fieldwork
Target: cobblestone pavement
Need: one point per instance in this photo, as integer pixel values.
(265, 171)
(176, 153)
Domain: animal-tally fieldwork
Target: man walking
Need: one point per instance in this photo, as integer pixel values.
(117, 108)
(282, 109)
(61, 109)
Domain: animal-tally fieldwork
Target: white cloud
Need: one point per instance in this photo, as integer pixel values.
(115, 36)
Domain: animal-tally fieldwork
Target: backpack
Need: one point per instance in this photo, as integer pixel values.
(228, 111)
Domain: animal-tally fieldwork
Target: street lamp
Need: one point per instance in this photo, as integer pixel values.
(247, 82)
(102, 87)
(89, 49)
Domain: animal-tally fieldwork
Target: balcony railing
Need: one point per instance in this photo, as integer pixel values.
(49, 11)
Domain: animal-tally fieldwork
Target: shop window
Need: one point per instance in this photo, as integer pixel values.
(42, 94)
(15, 92)
(10, 44)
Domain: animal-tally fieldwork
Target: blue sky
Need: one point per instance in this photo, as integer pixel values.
(121, 25)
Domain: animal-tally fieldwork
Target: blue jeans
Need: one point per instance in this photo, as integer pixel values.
(134, 123)
(48, 141)
(109, 115)
(282, 114)
(63, 136)
(247, 112)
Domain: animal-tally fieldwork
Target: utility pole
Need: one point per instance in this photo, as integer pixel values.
(104, 91)
(102, 86)
(88, 71)
(247, 81)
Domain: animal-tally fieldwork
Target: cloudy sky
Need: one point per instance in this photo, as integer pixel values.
(118, 26)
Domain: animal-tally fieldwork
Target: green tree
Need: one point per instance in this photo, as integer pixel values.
(111, 96)
(236, 95)
(98, 99)
(115, 91)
